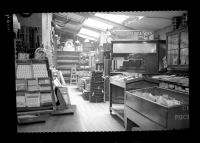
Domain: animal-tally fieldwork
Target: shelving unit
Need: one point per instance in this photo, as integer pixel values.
(178, 49)
(65, 61)
(34, 88)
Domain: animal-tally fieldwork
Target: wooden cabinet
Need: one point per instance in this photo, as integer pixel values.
(178, 49)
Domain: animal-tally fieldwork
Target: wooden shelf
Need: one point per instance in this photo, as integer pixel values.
(119, 112)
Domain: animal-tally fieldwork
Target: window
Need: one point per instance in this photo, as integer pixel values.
(113, 17)
(97, 24)
(88, 32)
(178, 49)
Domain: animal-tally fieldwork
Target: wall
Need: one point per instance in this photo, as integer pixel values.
(46, 36)
(162, 32)
(46, 28)
(35, 20)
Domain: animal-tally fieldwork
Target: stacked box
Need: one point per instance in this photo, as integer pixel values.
(45, 87)
(24, 71)
(32, 99)
(33, 85)
(20, 98)
(45, 98)
(44, 81)
(40, 70)
(20, 85)
(97, 87)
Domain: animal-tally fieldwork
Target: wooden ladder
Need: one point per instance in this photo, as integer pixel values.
(73, 78)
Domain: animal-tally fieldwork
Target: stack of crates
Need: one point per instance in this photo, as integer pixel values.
(97, 87)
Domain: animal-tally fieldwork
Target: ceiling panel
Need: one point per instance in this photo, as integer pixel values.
(72, 26)
(76, 17)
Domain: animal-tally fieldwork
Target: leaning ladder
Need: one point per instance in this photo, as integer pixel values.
(73, 78)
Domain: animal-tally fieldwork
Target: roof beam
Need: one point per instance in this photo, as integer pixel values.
(64, 30)
(89, 36)
(66, 20)
(89, 15)
(92, 28)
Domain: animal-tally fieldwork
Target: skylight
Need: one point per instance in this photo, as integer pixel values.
(89, 32)
(97, 24)
(86, 37)
(113, 17)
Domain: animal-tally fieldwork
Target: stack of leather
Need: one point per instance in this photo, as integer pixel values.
(97, 87)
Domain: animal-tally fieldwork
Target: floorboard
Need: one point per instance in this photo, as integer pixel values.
(87, 117)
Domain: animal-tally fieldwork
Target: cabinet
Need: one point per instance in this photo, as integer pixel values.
(178, 49)
(65, 61)
(138, 56)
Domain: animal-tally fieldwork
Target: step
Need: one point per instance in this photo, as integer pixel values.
(66, 72)
(65, 64)
(68, 61)
(67, 78)
(64, 67)
(67, 58)
(68, 53)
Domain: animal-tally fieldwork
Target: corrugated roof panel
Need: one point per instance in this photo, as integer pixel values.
(71, 26)
(76, 17)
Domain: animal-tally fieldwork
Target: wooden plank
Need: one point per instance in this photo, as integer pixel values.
(87, 117)
(140, 120)
(118, 83)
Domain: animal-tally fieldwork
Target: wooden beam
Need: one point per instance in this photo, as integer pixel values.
(89, 36)
(89, 15)
(66, 20)
(92, 28)
(67, 30)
